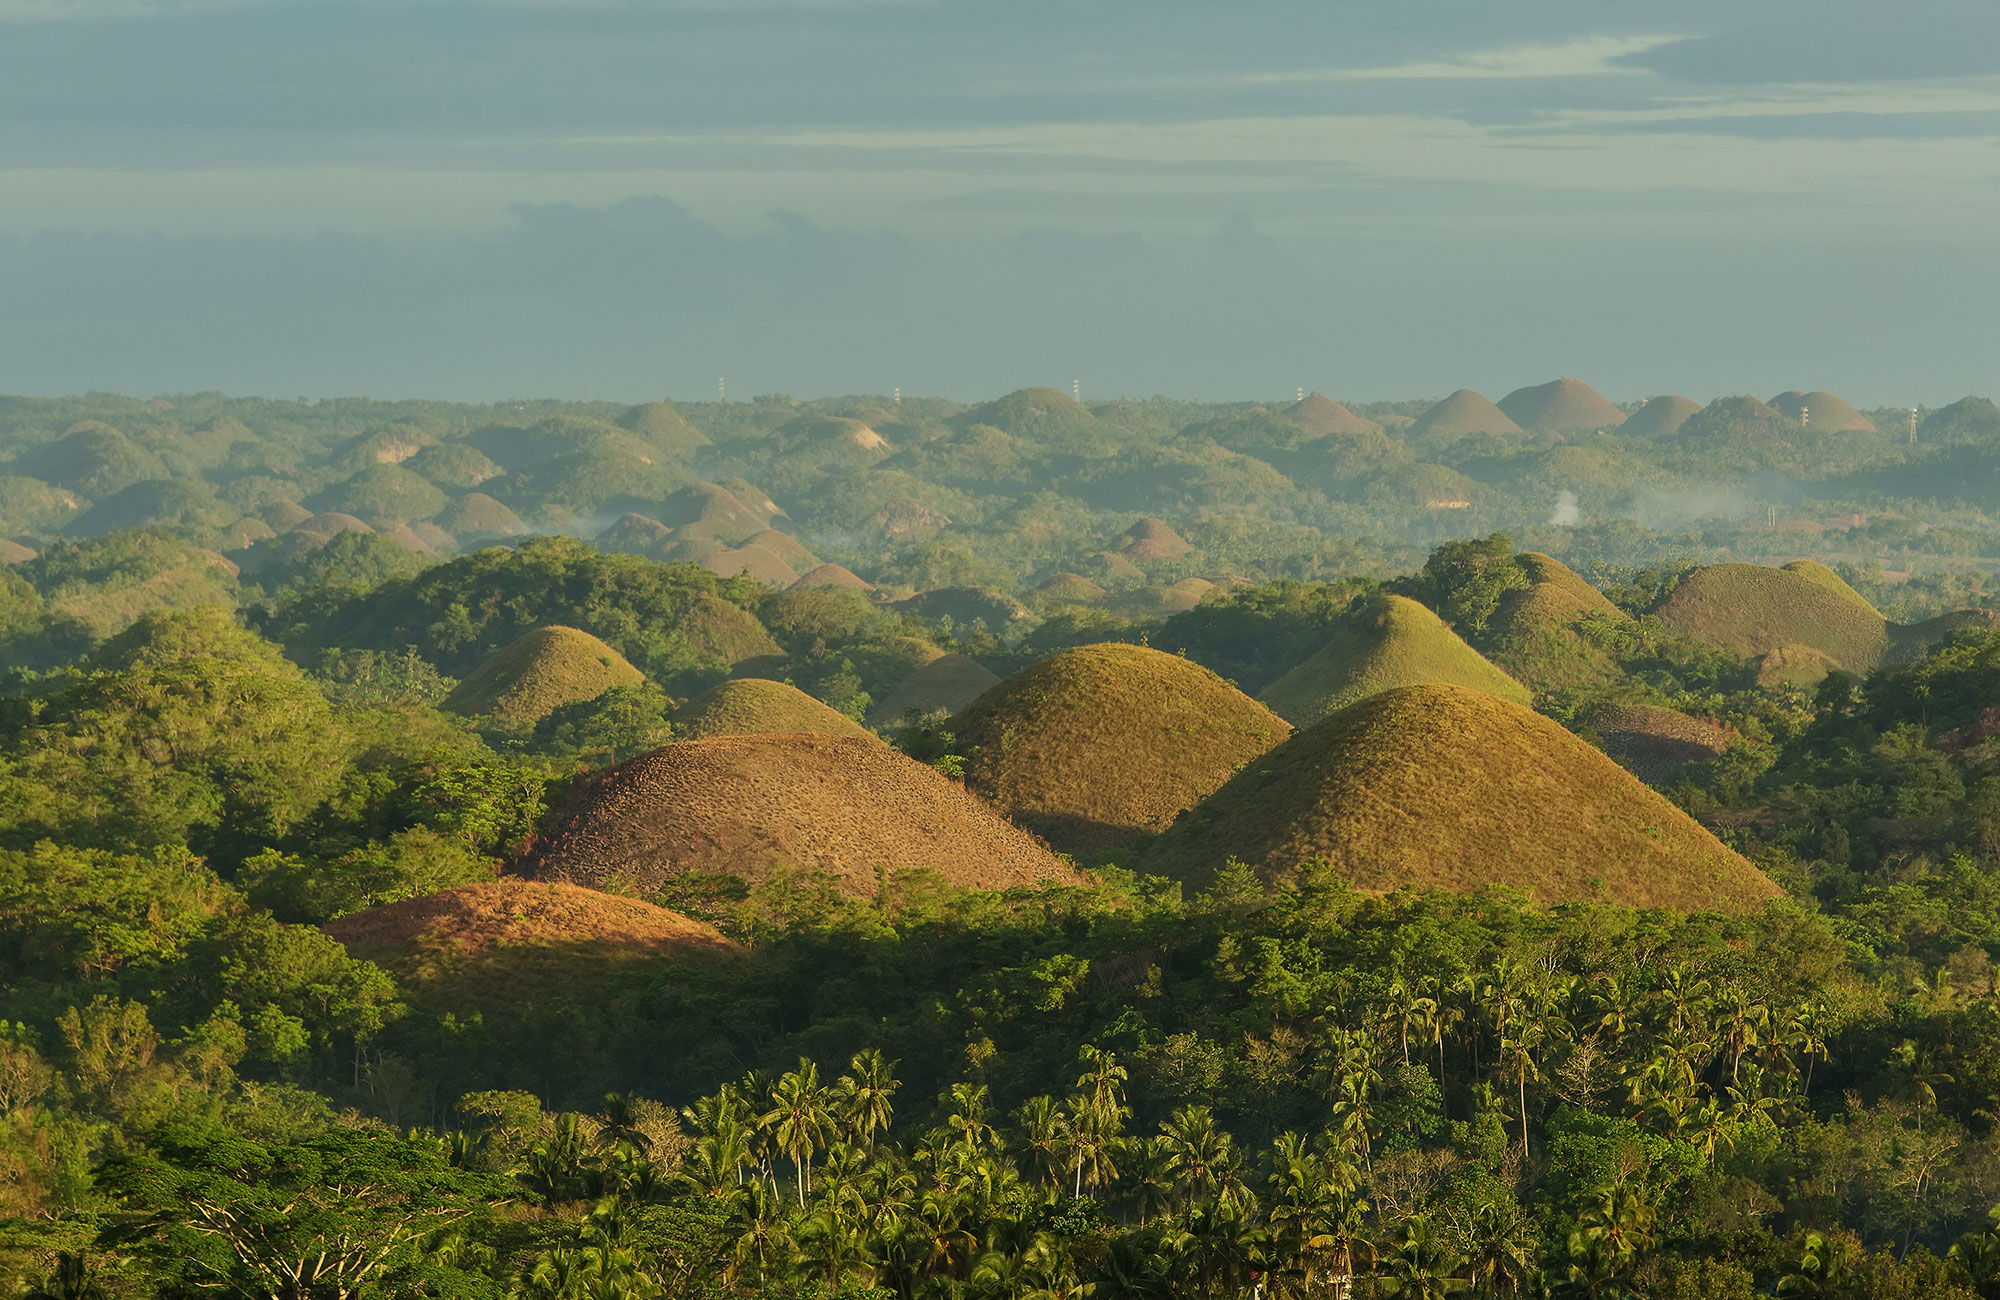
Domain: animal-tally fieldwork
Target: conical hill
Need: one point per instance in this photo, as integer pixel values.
(752, 704)
(1561, 406)
(1464, 412)
(530, 677)
(1102, 744)
(1749, 610)
(1537, 632)
(1442, 787)
(945, 684)
(1319, 416)
(1822, 411)
(754, 806)
(1661, 415)
(1382, 643)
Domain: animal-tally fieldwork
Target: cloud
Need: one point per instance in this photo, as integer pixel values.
(1589, 56)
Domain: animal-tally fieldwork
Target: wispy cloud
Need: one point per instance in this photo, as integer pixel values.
(1589, 56)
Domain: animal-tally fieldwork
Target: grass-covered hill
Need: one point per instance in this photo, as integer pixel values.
(752, 704)
(527, 679)
(495, 946)
(1384, 642)
(848, 809)
(944, 683)
(1750, 610)
(1544, 632)
(1650, 741)
(1442, 787)
(1099, 745)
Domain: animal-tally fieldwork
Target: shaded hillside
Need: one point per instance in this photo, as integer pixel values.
(526, 680)
(1444, 787)
(1539, 632)
(846, 807)
(1384, 642)
(1099, 745)
(1749, 610)
(1653, 742)
(945, 684)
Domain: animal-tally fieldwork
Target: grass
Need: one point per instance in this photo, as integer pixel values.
(1651, 741)
(752, 704)
(500, 945)
(1561, 406)
(1100, 745)
(1749, 610)
(1536, 633)
(755, 806)
(530, 677)
(1383, 643)
(1441, 787)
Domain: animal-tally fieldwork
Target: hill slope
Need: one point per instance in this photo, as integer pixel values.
(1749, 610)
(753, 704)
(1102, 744)
(1561, 406)
(1464, 412)
(1661, 415)
(848, 807)
(1319, 416)
(1383, 643)
(1822, 411)
(524, 681)
(948, 683)
(1536, 633)
(1443, 787)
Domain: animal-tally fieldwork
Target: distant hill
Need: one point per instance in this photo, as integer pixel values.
(1152, 539)
(1653, 742)
(1749, 611)
(753, 704)
(1660, 415)
(1463, 412)
(526, 680)
(1444, 787)
(847, 807)
(1536, 633)
(1097, 746)
(1821, 411)
(1385, 642)
(946, 684)
(1319, 416)
(1561, 406)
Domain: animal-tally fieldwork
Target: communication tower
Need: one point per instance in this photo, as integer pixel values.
(721, 390)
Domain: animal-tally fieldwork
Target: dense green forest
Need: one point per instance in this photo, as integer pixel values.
(229, 753)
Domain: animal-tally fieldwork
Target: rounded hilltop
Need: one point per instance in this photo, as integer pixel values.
(750, 807)
(751, 704)
(532, 676)
(1383, 642)
(1750, 611)
(1464, 412)
(1561, 406)
(1098, 746)
(1442, 787)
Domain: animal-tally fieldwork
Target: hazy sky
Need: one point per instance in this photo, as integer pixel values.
(626, 198)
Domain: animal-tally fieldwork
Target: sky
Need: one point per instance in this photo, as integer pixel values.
(629, 199)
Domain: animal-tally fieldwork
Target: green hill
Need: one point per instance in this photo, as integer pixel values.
(1444, 787)
(1382, 643)
(527, 679)
(1749, 610)
(946, 684)
(1100, 745)
(752, 704)
(1536, 633)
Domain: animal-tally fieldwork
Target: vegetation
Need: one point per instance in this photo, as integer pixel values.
(1384, 642)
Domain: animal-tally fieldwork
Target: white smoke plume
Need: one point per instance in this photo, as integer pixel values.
(1566, 514)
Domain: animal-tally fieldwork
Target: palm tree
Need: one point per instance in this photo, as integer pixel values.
(1200, 1160)
(1517, 1055)
(1042, 1138)
(865, 1091)
(1503, 1250)
(799, 1119)
(72, 1280)
(1806, 1033)
(1822, 1271)
(1422, 1265)
(1924, 1074)
(757, 1227)
(1611, 1235)
(620, 1125)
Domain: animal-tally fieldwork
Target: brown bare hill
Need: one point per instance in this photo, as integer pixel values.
(1152, 539)
(633, 534)
(1749, 611)
(1822, 411)
(476, 516)
(665, 428)
(1441, 787)
(1319, 416)
(945, 684)
(1561, 406)
(1100, 745)
(1382, 643)
(832, 575)
(1661, 415)
(530, 677)
(721, 631)
(752, 704)
(1538, 635)
(502, 944)
(1653, 742)
(747, 807)
(711, 510)
(1464, 412)
(1070, 588)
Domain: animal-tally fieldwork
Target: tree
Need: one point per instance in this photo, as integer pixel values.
(865, 1093)
(331, 1216)
(799, 1119)
(1422, 1265)
(1502, 1259)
